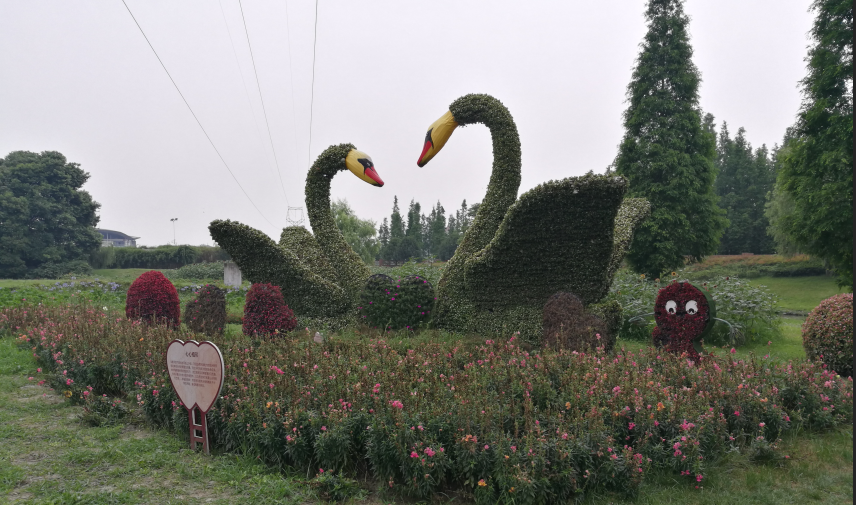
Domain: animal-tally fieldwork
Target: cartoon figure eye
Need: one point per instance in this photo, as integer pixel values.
(692, 307)
(671, 307)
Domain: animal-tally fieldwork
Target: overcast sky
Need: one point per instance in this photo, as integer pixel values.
(79, 78)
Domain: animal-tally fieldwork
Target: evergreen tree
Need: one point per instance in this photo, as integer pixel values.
(383, 233)
(666, 154)
(392, 251)
(742, 183)
(817, 164)
(780, 204)
(411, 245)
(436, 231)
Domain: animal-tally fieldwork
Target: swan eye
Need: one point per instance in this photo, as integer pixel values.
(671, 307)
(692, 307)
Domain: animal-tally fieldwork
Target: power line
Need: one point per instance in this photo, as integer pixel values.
(312, 99)
(291, 80)
(193, 113)
(264, 111)
(246, 91)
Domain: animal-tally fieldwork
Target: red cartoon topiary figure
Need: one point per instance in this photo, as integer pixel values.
(684, 314)
(153, 299)
(265, 311)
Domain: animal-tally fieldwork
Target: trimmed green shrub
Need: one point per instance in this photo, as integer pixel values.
(565, 235)
(206, 313)
(52, 270)
(567, 325)
(152, 298)
(396, 304)
(828, 333)
(266, 313)
(197, 272)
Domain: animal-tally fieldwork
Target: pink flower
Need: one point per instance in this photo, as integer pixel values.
(414, 455)
(68, 382)
(698, 478)
(323, 428)
(430, 452)
(762, 425)
(631, 426)
(733, 350)
(565, 436)
(486, 447)
(736, 412)
(39, 370)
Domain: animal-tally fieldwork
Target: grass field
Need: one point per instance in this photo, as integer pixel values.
(800, 294)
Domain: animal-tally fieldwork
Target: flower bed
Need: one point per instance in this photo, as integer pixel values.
(494, 419)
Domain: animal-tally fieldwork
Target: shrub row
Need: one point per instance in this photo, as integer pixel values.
(166, 256)
(501, 423)
(752, 266)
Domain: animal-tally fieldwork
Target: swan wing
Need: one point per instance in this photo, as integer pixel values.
(302, 243)
(555, 237)
(631, 214)
(262, 260)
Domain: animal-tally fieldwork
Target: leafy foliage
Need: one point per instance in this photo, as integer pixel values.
(749, 267)
(817, 160)
(153, 298)
(48, 221)
(751, 310)
(666, 155)
(206, 313)
(265, 312)
(403, 303)
(359, 233)
(491, 418)
(828, 333)
(567, 325)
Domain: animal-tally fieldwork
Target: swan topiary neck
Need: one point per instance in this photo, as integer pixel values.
(351, 271)
(505, 176)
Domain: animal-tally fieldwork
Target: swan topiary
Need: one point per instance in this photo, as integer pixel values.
(568, 235)
(320, 275)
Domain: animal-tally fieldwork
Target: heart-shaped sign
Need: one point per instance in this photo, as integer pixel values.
(196, 372)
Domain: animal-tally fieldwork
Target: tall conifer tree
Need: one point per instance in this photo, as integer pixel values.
(667, 154)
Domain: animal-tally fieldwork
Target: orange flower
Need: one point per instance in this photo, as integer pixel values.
(660, 406)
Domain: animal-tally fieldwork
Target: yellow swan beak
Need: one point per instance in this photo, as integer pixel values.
(438, 133)
(362, 166)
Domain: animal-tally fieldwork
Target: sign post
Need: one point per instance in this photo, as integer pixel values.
(196, 373)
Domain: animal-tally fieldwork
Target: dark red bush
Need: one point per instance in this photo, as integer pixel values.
(567, 324)
(206, 313)
(265, 311)
(153, 299)
(684, 315)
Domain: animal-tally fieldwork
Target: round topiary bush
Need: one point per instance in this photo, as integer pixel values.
(265, 311)
(685, 315)
(396, 304)
(568, 325)
(828, 333)
(153, 299)
(206, 313)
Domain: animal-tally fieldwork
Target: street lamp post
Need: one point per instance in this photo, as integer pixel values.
(173, 220)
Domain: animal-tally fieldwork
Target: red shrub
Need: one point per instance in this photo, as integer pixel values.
(265, 311)
(684, 314)
(153, 298)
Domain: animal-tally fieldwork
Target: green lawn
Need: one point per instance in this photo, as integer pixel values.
(800, 294)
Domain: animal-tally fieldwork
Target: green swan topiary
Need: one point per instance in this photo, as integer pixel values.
(320, 276)
(568, 235)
